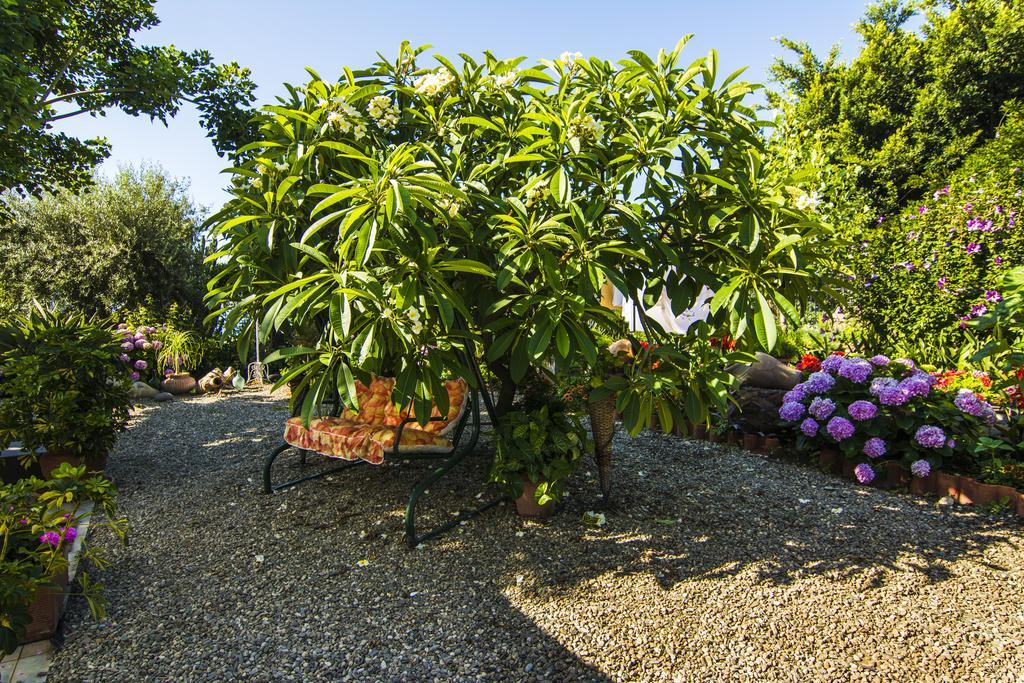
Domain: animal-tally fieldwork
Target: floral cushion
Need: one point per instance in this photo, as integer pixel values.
(370, 432)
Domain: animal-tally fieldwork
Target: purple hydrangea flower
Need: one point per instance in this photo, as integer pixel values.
(832, 363)
(840, 428)
(124, 358)
(862, 410)
(920, 468)
(796, 394)
(855, 369)
(864, 473)
(893, 396)
(157, 345)
(819, 382)
(791, 411)
(879, 383)
(128, 346)
(930, 436)
(140, 365)
(879, 360)
(821, 408)
(135, 376)
(969, 403)
(874, 447)
(915, 386)
(907, 362)
(809, 427)
(139, 343)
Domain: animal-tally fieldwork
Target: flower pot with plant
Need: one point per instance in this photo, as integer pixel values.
(38, 520)
(181, 349)
(537, 449)
(63, 391)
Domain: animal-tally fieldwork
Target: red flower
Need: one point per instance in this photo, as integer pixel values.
(809, 362)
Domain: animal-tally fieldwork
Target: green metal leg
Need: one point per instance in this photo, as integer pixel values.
(268, 464)
(411, 538)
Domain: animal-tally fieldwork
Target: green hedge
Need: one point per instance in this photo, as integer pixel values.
(920, 273)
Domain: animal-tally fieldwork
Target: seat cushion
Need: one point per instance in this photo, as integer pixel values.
(377, 408)
(339, 437)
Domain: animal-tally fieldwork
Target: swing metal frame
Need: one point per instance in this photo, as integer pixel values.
(464, 441)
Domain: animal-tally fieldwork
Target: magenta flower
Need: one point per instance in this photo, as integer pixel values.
(864, 473)
(998, 261)
(978, 310)
(920, 468)
(973, 248)
(993, 296)
(840, 429)
(874, 447)
(50, 538)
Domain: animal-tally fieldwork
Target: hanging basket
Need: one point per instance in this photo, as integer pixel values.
(602, 426)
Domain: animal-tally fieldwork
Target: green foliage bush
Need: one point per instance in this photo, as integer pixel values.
(62, 386)
(917, 282)
(130, 243)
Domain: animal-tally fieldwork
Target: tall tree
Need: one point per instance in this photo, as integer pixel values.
(65, 58)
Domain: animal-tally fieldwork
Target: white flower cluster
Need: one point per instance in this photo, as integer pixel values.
(570, 58)
(506, 80)
(536, 191)
(383, 112)
(432, 83)
(585, 127)
(256, 182)
(451, 205)
(414, 318)
(344, 118)
(808, 202)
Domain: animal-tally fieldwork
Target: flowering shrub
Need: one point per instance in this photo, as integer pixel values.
(139, 350)
(37, 526)
(875, 408)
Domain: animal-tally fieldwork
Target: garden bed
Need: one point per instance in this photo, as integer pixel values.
(716, 563)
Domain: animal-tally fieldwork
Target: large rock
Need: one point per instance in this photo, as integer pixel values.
(163, 397)
(758, 409)
(767, 373)
(142, 390)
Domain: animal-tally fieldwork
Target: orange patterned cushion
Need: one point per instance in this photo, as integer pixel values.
(337, 437)
(376, 407)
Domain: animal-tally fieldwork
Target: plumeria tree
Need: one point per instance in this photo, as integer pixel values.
(393, 219)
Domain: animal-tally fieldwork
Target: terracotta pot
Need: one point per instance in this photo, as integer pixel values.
(46, 609)
(752, 442)
(947, 485)
(527, 505)
(830, 460)
(178, 383)
(892, 475)
(923, 485)
(772, 444)
(51, 460)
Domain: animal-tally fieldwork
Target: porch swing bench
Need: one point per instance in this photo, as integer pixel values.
(381, 431)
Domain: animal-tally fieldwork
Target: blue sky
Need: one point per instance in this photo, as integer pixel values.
(277, 39)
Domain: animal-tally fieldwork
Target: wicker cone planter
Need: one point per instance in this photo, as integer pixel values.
(602, 426)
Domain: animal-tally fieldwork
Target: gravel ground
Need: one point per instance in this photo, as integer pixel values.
(715, 564)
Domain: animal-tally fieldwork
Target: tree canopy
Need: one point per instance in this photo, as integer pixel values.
(63, 58)
(390, 219)
(129, 242)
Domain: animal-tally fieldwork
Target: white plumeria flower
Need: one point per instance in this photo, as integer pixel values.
(432, 83)
(808, 202)
(506, 80)
(569, 58)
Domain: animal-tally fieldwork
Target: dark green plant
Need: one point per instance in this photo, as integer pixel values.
(62, 386)
(405, 211)
(37, 527)
(60, 59)
(542, 444)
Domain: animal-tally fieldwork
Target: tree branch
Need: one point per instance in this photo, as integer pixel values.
(69, 114)
(83, 93)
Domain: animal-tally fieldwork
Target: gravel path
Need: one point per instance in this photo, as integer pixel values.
(717, 564)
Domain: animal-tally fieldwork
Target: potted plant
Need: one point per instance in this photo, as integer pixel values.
(181, 349)
(537, 450)
(38, 520)
(63, 391)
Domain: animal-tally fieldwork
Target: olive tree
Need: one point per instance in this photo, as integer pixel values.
(394, 218)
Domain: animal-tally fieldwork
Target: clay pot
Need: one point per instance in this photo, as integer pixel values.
(922, 486)
(752, 442)
(830, 460)
(892, 475)
(947, 485)
(715, 437)
(178, 383)
(772, 444)
(51, 460)
(732, 438)
(527, 505)
(46, 610)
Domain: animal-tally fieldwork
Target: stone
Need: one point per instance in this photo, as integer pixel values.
(758, 409)
(767, 372)
(142, 390)
(162, 397)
